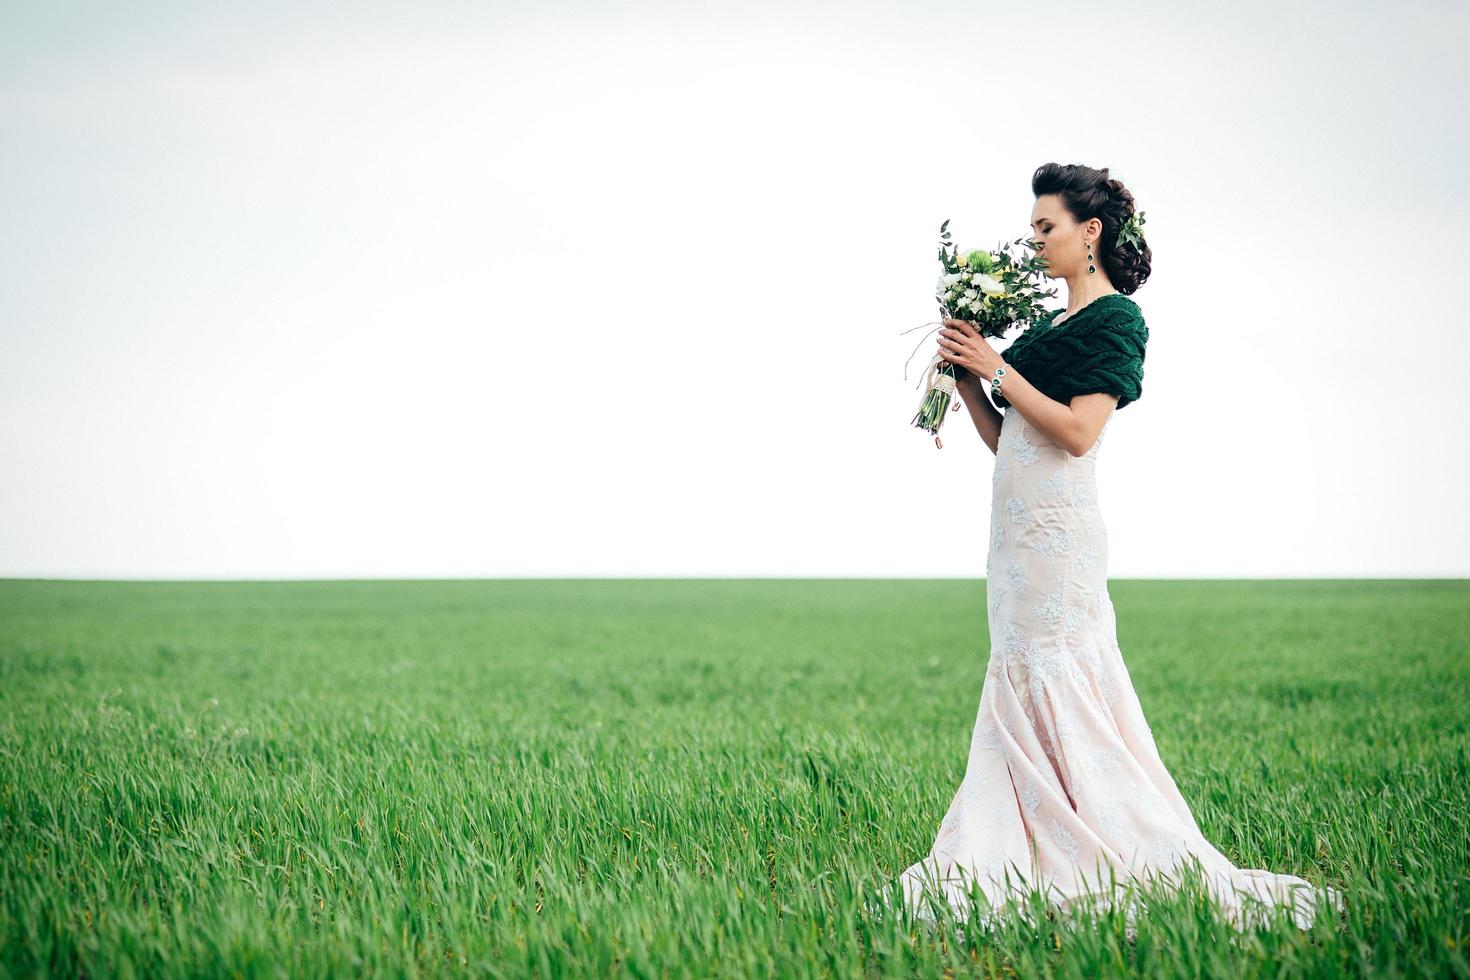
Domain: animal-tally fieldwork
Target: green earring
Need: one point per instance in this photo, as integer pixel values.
(1090, 267)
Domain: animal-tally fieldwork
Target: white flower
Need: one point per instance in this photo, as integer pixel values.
(989, 284)
(972, 294)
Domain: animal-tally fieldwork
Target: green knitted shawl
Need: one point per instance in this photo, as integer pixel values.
(1098, 348)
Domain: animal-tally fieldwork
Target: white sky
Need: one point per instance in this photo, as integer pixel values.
(315, 290)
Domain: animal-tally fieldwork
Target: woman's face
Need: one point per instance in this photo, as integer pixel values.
(1059, 238)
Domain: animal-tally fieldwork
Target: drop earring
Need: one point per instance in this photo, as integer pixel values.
(1090, 267)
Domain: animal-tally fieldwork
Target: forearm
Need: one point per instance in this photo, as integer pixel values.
(985, 416)
(1055, 419)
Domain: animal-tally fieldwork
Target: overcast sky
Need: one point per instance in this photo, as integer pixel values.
(461, 290)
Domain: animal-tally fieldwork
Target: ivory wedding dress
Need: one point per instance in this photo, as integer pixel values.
(1064, 788)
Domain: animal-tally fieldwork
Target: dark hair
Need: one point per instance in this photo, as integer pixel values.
(1090, 193)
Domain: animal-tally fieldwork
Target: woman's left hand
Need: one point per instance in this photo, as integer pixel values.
(961, 344)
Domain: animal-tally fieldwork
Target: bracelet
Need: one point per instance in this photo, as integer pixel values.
(995, 381)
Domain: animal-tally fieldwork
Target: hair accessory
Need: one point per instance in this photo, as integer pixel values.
(1132, 231)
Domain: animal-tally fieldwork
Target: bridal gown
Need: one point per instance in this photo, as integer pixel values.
(1061, 759)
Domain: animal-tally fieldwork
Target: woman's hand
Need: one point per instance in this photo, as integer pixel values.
(961, 344)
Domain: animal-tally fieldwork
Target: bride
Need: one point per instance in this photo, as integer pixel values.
(1064, 790)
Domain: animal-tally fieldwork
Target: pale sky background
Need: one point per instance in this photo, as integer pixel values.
(477, 290)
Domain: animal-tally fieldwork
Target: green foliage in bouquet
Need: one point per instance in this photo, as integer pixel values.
(995, 290)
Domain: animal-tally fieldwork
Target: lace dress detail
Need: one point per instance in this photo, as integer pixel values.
(1064, 782)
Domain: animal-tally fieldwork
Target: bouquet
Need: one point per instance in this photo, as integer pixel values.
(994, 290)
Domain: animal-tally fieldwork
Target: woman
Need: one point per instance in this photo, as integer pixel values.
(1065, 790)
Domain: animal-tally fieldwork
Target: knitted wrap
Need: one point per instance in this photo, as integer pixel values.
(1098, 348)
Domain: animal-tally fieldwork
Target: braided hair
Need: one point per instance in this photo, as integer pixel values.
(1089, 193)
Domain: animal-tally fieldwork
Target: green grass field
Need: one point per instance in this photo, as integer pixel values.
(682, 777)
